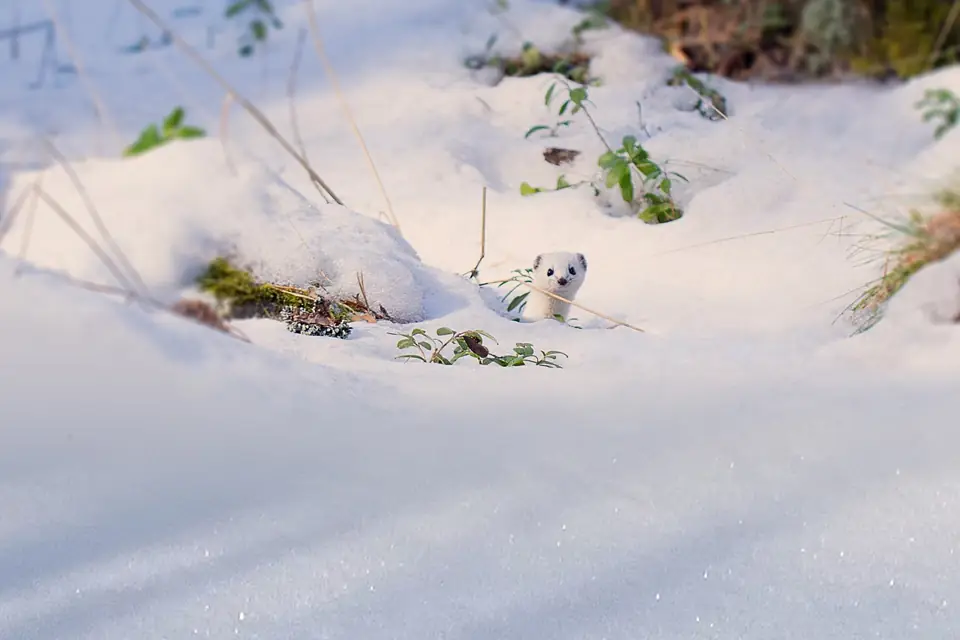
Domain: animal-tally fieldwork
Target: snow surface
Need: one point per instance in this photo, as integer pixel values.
(745, 469)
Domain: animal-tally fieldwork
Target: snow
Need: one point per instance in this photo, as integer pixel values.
(744, 469)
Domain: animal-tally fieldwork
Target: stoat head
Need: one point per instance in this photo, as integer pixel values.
(560, 272)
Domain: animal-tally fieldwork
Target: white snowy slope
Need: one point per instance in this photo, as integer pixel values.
(745, 469)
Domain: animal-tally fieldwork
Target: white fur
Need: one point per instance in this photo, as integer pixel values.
(552, 272)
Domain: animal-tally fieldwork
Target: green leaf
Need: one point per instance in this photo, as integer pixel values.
(626, 187)
(532, 130)
(149, 138)
(411, 356)
(608, 159)
(578, 96)
(549, 95)
(530, 57)
(562, 183)
(484, 334)
(523, 349)
(527, 190)
(463, 354)
(616, 172)
(563, 107)
(426, 345)
(236, 7)
(666, 185)
(445, 331)
(516, 301)
(648, 169)
(406, 343)
(418, 332)
(629, 144)
(259, 30)
(246, 50)
(188, 133)
(173, 121)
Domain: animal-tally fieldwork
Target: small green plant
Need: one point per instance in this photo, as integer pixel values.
(519, 278)
(711, 103)
(547, 101)
(626, 168)
(526, 189)
(263, 18)
(172, 128)
(469, 344)
(941, 104)
(619, 166)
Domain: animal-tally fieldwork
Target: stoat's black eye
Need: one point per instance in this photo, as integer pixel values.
(573, 271)
(549, 272)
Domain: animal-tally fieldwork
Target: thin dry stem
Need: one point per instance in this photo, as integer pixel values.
(104, 257)
(570, 302)
(363, 289)
(108, 238)
(7, 222)
(28, 225)
(291, 95)
(255, 113)
(580, 306)
(746, 235)
(224, 130)
(334, 80)
(98, 105)
(483, 235)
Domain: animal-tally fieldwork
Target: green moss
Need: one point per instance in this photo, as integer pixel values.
(243, 296)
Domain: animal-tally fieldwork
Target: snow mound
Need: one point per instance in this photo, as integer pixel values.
(171, 225)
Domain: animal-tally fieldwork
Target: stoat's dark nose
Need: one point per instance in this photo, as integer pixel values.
(562, 282)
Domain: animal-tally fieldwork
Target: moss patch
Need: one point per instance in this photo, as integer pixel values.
(303, 311)
(242, 295)
(531, 61)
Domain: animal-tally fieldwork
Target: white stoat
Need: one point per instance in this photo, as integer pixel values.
(561, 273)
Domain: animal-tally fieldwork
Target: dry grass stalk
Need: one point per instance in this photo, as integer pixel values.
(925, 240)
(224, 130)
(98, 105)
(573, 303)
(91, 208)
(102, 255)
(334, 80)
(291, 95)
(475, 272)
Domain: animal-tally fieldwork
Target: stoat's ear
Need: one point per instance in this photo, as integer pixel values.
(537, 261)
(583, 261)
